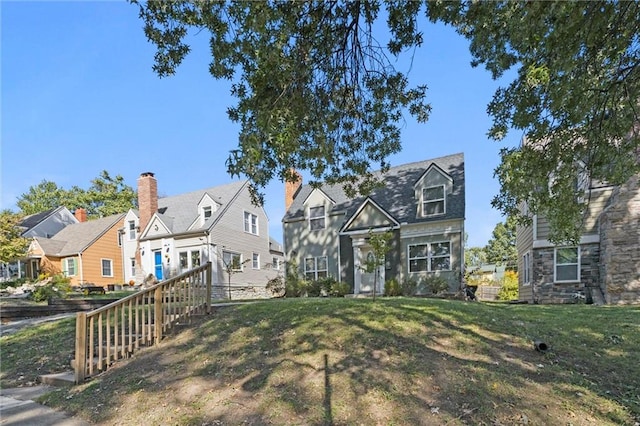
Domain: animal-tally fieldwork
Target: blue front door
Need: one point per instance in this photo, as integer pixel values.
(157, 256)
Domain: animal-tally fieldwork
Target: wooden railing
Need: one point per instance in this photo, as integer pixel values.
(115, 331)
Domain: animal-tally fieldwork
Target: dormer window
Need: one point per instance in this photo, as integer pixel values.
(316, 218)
(206, 212)
(433, 200)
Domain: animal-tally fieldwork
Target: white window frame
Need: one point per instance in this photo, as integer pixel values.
(315, 270)
(317, 217)
(442, 200)
(275, 263)
(526, 268)
(429, 257)
(232, 254)
(73, 267)
(193, 256)
(183, 261)
(132, 230)
(556, 264)
(255, 260)
(251, 223)
(207, 212)
(102, 265)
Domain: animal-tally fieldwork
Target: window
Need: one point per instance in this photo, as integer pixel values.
(315, 268)
(107, 269)
(526, 269)
(70, 267)
(433, 201)
(206, 212)
(232, 260)
(566, 264)
(183, 261)
(132, 230)
(275, 263)
(430, 257)
(316, 218)
(255, 261)
(195, 259)
(132, 264)
(250, 223)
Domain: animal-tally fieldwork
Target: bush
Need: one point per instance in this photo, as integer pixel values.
(509, 287)
(58, 287)
(276, 286)
(409, 287)
(436, 284)
(392, 288)
(339, 289)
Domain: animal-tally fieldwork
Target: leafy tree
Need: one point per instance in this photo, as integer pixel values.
(107, 195)
(474, 257)
(316, 91)
(501, 248)
(12, 245)
(508, 286)
(380, 245)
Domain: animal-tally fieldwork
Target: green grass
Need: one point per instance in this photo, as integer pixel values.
(355, 361)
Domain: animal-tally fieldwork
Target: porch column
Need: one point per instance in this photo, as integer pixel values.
(357, 243)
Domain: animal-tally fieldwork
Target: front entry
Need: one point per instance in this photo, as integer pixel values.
(157, 260)
(365, 281)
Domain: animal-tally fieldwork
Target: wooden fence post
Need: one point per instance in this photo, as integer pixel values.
(81, 347)
(157, 313)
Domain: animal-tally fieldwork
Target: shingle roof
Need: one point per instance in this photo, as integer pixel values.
(32, 220)
(397, 197)
(78, 237)
(179, 212)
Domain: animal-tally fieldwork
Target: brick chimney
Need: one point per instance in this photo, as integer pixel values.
(291, 189)
(147, 198)
(80, 214)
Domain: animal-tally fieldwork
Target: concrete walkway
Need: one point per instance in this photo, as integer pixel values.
(17, 408)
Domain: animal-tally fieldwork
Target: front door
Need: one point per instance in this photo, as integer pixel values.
(157, 259)
(368, 279)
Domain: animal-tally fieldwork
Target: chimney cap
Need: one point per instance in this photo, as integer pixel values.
(145, 174)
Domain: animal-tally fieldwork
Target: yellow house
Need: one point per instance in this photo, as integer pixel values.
(87, 252)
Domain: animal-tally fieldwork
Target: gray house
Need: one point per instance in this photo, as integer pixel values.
(422, 204)
(604, 267)
(171, 235)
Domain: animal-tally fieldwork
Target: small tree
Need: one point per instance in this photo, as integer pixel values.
(509, 286)
(12, 245)
(380, 246)
(232, 265)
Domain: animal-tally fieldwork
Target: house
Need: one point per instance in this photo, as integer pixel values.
(44, 224)
(604, 267)
(88, 252)
(170, 235)
(422, 204)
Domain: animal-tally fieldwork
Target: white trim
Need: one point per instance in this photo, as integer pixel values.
(555, 264)
(585, 239)
(304, 202)
(110, 267)
(323, 217)
(527, 269)
(244, 223)
(443, 199)
(535, 227)
(255, 257)
(366, 231)
(395, 224)
(437, 169)
(429, 256)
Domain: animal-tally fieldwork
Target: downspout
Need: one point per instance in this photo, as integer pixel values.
(462, 256)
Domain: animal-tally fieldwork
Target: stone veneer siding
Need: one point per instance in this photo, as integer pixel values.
(620, 245)
(546, 291)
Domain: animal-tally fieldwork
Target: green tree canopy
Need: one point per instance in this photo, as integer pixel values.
(107, 195)
(501, 247)
(12, 245)
(316, 91)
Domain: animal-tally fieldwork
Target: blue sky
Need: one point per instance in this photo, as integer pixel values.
(79, 96)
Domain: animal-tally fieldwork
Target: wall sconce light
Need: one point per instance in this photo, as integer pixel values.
(167, 250)
(141, 252)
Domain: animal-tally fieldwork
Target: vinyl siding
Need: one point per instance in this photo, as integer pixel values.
(105, 247)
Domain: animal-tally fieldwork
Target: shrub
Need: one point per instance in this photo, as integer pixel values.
(339, 289)
(276, 286)
(436, 284)
(409, 287)
(392, 288)
(58, 287)
(509, 287)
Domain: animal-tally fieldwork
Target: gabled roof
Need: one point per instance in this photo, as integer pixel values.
(31, 221)
(397, 197)
(76, 238)
(179, 212)
(390, 221)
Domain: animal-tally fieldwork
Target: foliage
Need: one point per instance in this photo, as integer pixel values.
(294, 284)
(316, 91)
(435, 284)
(276, 286)
(501, 248)
(107, 195)
(474, 257)
(409, 287)
(339, 289)
(392, 288)
(380, 244)
(509, 286)
(12, 245)
(57, 287)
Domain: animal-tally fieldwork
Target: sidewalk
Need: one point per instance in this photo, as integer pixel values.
(17, 408)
